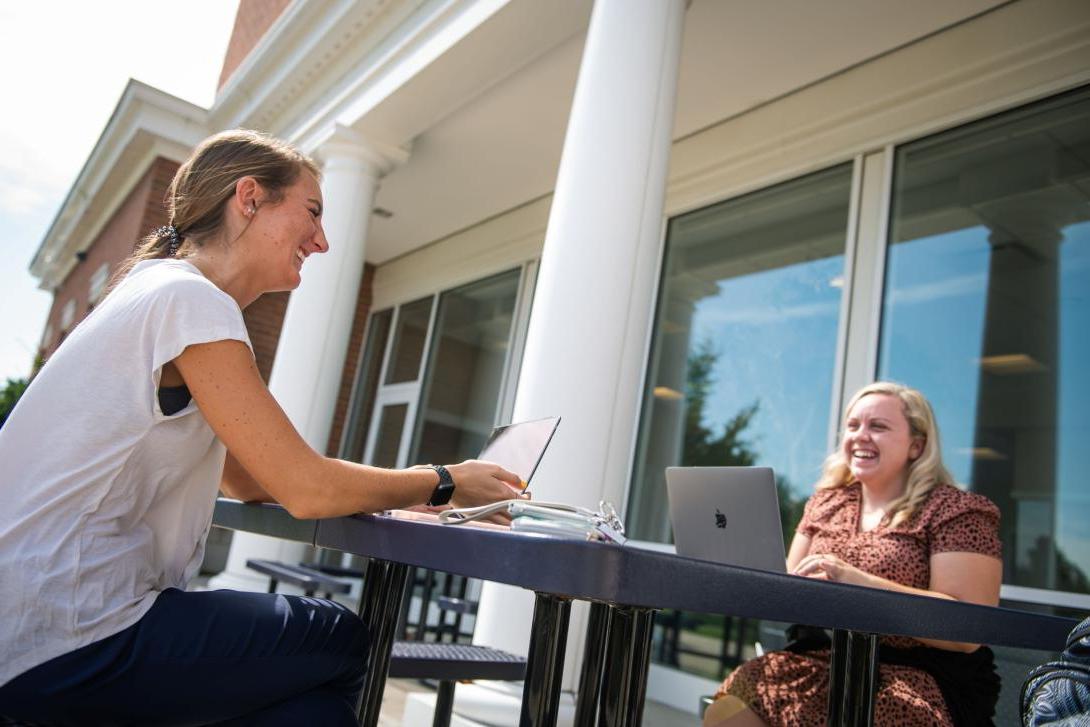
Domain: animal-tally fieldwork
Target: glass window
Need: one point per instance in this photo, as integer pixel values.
(388, 441)
(68, 314)
(986, 309)
(744, 347)
(446, 413)
(465, 369)
(98, 283)
(367, 385)
(741, 373)
(410, 337)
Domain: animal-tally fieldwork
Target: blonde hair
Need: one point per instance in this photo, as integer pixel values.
(198, 194)
(924, 473)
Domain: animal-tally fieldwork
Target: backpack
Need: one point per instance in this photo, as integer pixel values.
(1057, 694)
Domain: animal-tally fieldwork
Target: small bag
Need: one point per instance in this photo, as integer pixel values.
(548, 518)
(1058, 693)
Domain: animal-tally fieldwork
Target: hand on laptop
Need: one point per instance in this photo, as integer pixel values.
(828, 567)
(480, 483)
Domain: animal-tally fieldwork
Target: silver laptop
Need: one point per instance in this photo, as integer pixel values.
(519, 447)
(727, 514)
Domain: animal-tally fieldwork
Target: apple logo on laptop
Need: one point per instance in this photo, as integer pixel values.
(720, 519)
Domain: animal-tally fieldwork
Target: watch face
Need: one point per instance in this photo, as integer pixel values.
(442, 494)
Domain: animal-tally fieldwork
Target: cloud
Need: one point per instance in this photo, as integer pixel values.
(974, 284)
(769, 314)
(25, 198)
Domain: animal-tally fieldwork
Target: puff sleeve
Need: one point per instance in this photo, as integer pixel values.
(819, 510)
(964, 522)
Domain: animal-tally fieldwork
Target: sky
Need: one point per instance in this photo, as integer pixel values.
(65, 65)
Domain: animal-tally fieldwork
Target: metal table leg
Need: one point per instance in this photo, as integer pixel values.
(628, 656)
(444, 704)
(545, 662)
(380, 605)
(594, 654)
(853, 679)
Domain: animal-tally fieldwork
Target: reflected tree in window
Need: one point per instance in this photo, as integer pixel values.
(741, 369)
(704, 447)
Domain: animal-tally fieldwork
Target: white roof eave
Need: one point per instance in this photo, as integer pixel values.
(163, 124)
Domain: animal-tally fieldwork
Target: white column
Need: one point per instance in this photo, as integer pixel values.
(586, 344)
(306, 373)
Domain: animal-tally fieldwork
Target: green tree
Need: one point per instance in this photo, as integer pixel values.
(791, 508)
(704, 446)
(9, 396)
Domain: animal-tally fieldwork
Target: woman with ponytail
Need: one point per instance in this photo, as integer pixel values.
(885, 514)
(113, 457)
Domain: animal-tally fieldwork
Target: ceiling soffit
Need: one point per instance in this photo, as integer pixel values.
(482, 90)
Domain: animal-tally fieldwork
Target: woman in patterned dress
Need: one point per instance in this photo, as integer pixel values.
(885, 514)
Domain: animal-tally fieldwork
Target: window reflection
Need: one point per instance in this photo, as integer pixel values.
(745, 342)
(741, 370)
(390, 426)
(465, 369)
(367, 386)
(409, 338)
(986, 310)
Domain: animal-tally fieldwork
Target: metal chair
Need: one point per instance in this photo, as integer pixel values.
(443, 662)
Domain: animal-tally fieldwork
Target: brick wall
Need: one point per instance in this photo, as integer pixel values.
(253, 18)
(142, 211)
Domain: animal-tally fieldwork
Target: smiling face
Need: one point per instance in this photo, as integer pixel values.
(287, 232)
(878, 443)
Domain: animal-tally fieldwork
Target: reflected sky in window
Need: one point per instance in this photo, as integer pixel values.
(932, 336)
(987, 310)
(933, 323)
(744, 348)
(1073, 521)
(775, 335)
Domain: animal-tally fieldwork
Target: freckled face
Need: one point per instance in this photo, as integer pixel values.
(878, 443)
(289, 231)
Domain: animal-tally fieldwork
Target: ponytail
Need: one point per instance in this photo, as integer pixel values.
(202, 186)
(162, 242)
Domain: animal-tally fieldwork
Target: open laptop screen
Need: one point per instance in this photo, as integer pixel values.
(727, 515)
(519, 447)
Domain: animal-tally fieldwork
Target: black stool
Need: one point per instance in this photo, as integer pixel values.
(307, 579)
(449, 664)
(445, 663)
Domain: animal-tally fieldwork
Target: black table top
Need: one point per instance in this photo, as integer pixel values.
(627, 575)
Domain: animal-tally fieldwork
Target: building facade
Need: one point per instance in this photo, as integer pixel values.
(691, 229)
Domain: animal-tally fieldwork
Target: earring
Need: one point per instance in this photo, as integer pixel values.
(252, 210)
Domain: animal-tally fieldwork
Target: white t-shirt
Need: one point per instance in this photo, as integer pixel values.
(104, 501)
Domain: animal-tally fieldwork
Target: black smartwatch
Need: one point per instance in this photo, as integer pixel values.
(445, 489)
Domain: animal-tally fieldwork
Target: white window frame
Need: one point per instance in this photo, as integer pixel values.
(409, 392)
(98, 283)
(68, 314)
(402, 392)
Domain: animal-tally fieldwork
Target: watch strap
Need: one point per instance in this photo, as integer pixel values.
(445, 489)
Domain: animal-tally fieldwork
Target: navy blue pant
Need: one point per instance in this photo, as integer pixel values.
(206, 657)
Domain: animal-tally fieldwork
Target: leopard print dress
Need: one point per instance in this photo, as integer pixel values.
(790, 690)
